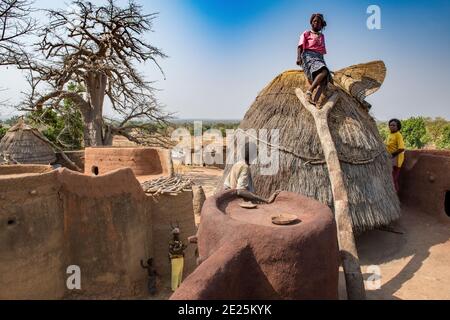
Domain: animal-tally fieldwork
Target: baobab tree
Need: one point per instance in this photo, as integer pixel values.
(100, 49)
(15, 23)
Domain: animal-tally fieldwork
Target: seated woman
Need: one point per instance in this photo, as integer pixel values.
(240, 179)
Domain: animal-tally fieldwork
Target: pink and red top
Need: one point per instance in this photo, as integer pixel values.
(313, 42)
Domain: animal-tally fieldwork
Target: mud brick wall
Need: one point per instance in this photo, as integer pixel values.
(143, 161)
(106, 235)
(104, 224)
(31, 238)
(167, 209)
(425, 182)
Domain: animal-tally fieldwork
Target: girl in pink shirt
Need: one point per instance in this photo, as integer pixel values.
(311, 49)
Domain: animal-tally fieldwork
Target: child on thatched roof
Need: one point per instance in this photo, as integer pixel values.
(311, 49)
(396, 147)
(240, 179)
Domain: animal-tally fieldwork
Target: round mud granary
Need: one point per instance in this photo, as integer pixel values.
(143, 161)
(245, 256)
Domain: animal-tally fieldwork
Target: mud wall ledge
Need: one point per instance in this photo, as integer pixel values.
(425, 182)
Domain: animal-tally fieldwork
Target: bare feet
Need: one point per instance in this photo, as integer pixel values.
(309, 97)
(317, 97)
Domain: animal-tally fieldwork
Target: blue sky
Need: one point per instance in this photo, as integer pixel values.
(222, 53)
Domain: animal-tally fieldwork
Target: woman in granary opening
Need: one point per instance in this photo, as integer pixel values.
(240, 178)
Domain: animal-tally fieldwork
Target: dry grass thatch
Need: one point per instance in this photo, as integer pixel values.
(365, 162)
(23, 144)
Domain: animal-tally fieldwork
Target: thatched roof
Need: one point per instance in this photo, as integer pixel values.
(25, 145)
(365, 162)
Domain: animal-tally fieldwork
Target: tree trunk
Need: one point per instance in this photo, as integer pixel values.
(108, 136)
(346, 239)
(93, 116)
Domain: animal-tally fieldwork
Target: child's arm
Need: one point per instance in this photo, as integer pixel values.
(299, 55)
(300, 49)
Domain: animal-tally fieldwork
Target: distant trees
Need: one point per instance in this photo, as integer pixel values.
(444, 140)
(64, 125)
(414, 133)
(209, 124)
(439, 132)
(3, 131)
(383, 130)
(422, 132)
(5, 124)
(435, 128)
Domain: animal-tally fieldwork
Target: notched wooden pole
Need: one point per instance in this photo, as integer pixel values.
(346, 239)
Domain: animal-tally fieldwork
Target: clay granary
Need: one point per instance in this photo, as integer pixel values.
(248, 257)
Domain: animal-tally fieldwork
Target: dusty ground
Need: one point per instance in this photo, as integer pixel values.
(414, 263)
(205, 177)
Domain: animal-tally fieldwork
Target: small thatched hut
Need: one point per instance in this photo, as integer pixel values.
(23, 144)
(363, 156)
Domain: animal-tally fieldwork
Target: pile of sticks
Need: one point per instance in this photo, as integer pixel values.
(163, 185)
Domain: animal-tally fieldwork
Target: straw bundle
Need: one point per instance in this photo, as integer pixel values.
(164, 185)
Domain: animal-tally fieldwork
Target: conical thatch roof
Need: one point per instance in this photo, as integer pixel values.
(25, 145)
(364, 160)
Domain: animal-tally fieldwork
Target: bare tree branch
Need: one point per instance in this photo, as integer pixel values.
(102, 48)
(15, 23)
